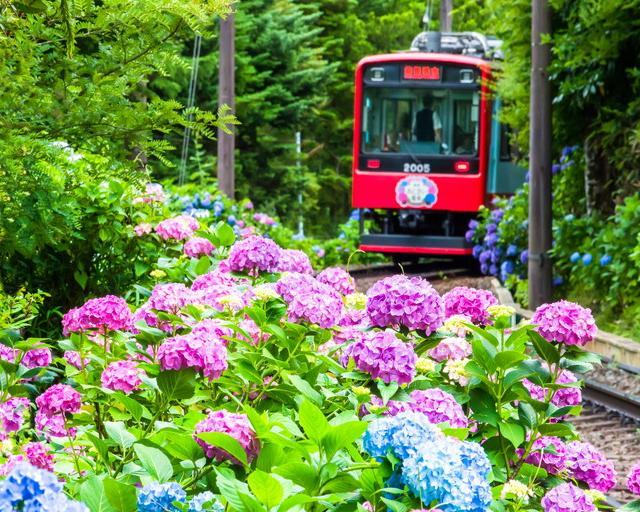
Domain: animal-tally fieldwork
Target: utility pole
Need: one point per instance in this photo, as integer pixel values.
(226, 96)
(300, 212)
(446, 15)
(540, 158)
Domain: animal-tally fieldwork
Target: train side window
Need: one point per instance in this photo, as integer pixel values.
(505, 143)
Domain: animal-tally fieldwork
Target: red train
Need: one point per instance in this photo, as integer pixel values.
(428, 147)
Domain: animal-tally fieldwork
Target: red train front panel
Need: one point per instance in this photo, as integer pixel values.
(421, 139)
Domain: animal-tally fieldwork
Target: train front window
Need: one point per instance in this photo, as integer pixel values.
(420, 121)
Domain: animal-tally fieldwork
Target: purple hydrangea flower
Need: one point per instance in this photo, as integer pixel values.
(339, 279)
(292, 260)
(198, 246)
(12, 413)
(633, 480)
(451, 348)
(402, 301)
(439, 406)
(109, 313)
(565, 322)
(567, 498)
(318, 306)
(254, 254)
(469, 302)
(122, 376)
(194, 350)
(587, 464)
(59, 399)
(550, 453)
(382, 355)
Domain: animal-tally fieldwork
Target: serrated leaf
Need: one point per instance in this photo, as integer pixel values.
(94, 495)
(312, 421)
(117, 431)
(513, 432)
(266, 488)
(341, 436)
(121, 496)
(177, 385)
(226, 443)
(543, 348)
(154, 461)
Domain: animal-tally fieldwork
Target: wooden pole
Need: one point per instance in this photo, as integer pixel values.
(540, 159)
(226, 96)
(446, 16)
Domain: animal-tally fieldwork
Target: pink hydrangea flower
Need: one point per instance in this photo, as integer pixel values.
(213, 329)
(256, 335)
(153, 193)
(339, 279)
(633, 480)
(7, 353)
(550, 453)
(292, 260)
(439, 407)
(400, 300)
(263, 218)
(254, 254)
(319, 306)
(451, 348)
(142, 229)
(561, 397)
(170, 297)
(292, 283)
(12, 413)
(177, 228)
(194, 351)
(53, 426)
(73, 358)
(198, 246)
(565, 322)
(382, 355)
(59, 399)
(108, 313)
(37, 358)
(232, 424)
(214, 278)
(354, 317)
(469, 302)
(567, 498)
(122, 376)
(587, 464)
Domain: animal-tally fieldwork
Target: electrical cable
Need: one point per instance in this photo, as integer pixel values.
(191, 97)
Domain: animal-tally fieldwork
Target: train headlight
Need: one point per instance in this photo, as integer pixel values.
(462, 167)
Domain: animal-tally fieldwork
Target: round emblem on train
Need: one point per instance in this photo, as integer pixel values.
(416, 192)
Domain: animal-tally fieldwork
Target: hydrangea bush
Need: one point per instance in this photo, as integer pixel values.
(240, 380)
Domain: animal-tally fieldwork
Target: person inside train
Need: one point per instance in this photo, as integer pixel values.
(428, 127)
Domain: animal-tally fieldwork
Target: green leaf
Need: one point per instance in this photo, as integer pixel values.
(299, 473)
(236, 493)
(94, 495)
(395, 506)
(484, 353)
(100, 446)
(227, 443)
(203, 265)
(154, 461)
(132, 405)
(513, 432)
(556, 429)
(177, 385)
(81, 278)
(509, 358)
(543, 348)
(516, 375)
(632, 506)
(387, 390)
(266, 488)
(117, 431)
(483, 406)
(225, 235)
(121, 496)
(312, 421)
(305, 388)
(341, 436)
(527, 414)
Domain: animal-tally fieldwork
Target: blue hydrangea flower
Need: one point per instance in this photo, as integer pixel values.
(506, 269)
(355, 215)
(575, 257)
(524, 256)
(492, 228)
(497, 214)
(473, 224)
(512, 251)
(53, 502)
(555, 168)
(205, 502)
(484, 268)
(569, 217)
(468, 236)
(491, 239)
(218, 208)
(493, 269)
(485, 256)
(496, 255)
(398, 434)
(231, 220)
(557, 281)
(587, 259)
(477, 249)
(605, 260)
(157, 497)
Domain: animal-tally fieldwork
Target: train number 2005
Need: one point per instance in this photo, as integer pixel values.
(417, 168)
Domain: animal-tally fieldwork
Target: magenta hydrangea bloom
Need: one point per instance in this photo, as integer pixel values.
(221, 297)
(38, 455)
(339, 279)
(122, 376)
(354, 317)
(59, 399)
(213, 329)
(469, 302)
(567, 498)
(53, 426)
(255, 335)
(233, 424)
(108, 313)
(319, 306)
(410, 302)
(382, 355)
(561, 397)
(194, 351)
(73, 358)
(550, 453)
(565, 322)
(292, 260)
(214, 278)
(254, 254)
(587, 464)
(12, 414)
(451, 348)
(633, 480)
(198, 246)
(177, 228)
(37, 358)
